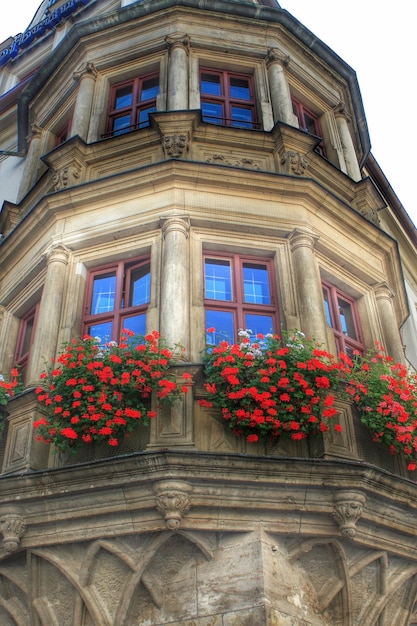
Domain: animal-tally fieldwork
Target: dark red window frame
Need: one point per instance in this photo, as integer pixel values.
(346, 324)
(118, 316)
(236, 305)
(25, 339)
(226, 101)
(134, 109)
(309, 122)
(63, 133)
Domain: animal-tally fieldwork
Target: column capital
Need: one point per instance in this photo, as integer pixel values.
(275, 56)
(178, 223)
(347, 511)
(12, 527)
(383, 291)
(57, 254)
(303, 238)
(177, 41)
(85, 70)
(35, 132)
(340, 112)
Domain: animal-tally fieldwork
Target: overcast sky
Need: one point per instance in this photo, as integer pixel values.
(377, 39)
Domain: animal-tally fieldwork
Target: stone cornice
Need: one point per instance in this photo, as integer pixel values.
(294, 495)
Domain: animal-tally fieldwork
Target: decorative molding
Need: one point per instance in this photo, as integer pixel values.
(347, 510)
(172, 501)
(12, 527)
(244, 162)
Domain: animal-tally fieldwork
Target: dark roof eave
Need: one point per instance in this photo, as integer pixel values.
(259, 12)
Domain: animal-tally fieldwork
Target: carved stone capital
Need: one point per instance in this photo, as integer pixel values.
(175, 223)
(175, 145)
(35, 132)
(383, 291)
(300, 238)
(347, 510)
(172, 501)
(275, 56)
(177, 41)
(340, 110)
(57, 254)
(86, 70)
(12, 527)
(66, 177)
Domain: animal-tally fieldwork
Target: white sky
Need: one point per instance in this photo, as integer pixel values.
(377, 39)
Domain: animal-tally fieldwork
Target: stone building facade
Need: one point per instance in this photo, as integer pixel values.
(163, 140)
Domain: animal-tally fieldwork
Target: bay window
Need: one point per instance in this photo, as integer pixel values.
(239, 292)
(117, 297)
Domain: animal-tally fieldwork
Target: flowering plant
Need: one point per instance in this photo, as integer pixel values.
(100, 393)
(276, 387)
(385, 393)
(9, 388)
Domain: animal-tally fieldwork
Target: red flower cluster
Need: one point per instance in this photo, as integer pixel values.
(276, 387)
(385, 394)
(100, 393)
(9, 388)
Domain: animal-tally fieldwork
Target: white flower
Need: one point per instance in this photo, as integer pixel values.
(1, 377)
(97, 339)
(112, 344)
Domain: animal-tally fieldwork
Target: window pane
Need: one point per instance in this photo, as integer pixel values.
(144, 116)
(150, 88)
(27, 337)
(310, 124)
(258, 324)
(104, 291)
(121, 124)
(135, 323)
(256, 284)
(239, 88)
(140, 286)
(223, 323)
(327, 309)
(104, 331)
(241, 117)
(124, 97)
(218, 280)
(212, 112)
(346, 318)
(210, 84)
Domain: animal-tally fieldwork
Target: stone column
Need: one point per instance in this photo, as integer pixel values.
(348, 148)
(392, 339)
(279, 88)
(86, 76)
(32, 161)
(178, 47)
(47, 327)
(175, 296)
(308, 284)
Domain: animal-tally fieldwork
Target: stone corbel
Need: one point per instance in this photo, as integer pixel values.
(67, 176)
(347, 510)
(294, 163)
(172, 501)
(175, 146)
(12, 527)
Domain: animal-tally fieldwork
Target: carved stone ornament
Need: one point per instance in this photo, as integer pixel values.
(172, 502)
(347, 510)
(66, 177)
(175, 145)
(12, 527)
(244, 162)
(296, 163)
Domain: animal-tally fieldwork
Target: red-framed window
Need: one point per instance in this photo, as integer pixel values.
(309, 122)
(342, 316)
(63, 134)
(239, 292)
(227, 98)
(130, 104)
(25, 340)
(117, 297)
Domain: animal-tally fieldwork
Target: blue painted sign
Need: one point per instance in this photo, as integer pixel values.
(48, 23)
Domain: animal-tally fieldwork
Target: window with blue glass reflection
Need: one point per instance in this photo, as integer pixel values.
(342, 316)
(238, 293)
(117, 297)
(227, 98)
(130, 104)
